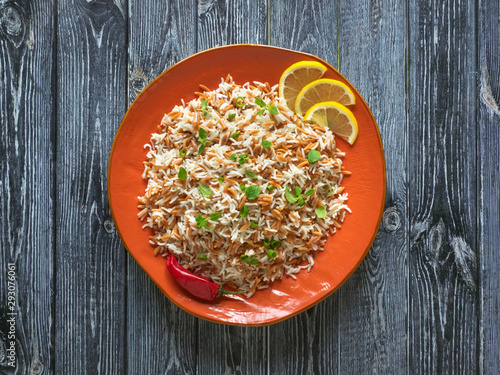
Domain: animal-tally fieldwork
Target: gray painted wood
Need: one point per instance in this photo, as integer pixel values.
(488, 164)
(426, 298)
(443, 328)
(26, 185)
(90, 269)
(161, 33)
(374, 301)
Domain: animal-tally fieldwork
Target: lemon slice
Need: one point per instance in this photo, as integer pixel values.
(296, 76)
(323, 90)
(338, 118)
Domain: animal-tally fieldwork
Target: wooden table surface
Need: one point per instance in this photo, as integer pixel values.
(426, 299)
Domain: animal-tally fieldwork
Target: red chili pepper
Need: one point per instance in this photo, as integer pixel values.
(197, 285)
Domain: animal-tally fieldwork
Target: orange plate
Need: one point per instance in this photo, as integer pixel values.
(343, 252)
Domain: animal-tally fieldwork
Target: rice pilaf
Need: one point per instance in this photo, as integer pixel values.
(240, 189)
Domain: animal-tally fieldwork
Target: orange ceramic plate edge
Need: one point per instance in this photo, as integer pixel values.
(298, 311)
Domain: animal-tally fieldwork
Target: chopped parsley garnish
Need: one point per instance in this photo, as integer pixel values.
(252, 192)
(297, 190)
(214, 216)
(201, 222)
(202, 256)
(273, 110)
(250, 174)
(205, 190)
(321, 212)
(261, 111)
(182, 175)
(243, 188)
(252, 260)
(313, 156)
(266, 144)
(309, 192)
(233, 157)
(289, 196)
(202, 138)
(301, 201)
(244, 211)
(203, 107)
(242, 159)
(260, 103)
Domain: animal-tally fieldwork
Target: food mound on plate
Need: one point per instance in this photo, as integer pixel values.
(239, 189)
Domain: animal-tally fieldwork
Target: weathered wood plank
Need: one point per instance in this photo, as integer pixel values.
(229, 349)
(161, 338)
(443, 327)
(373, 307)
(307, 343)
(489, 184)
(26, 186)
(90, 263)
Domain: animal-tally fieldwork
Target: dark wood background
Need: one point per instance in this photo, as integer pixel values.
(426, 300)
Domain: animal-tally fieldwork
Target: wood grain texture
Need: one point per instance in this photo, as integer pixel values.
(443, 332)
(223, 349)
(308, 342)
(26, 182)
(90, 262)
(161, 338)
(488, 164)
(373, 307)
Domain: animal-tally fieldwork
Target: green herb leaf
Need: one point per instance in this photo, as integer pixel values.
(205, 190)
(204, 104)
(254, 225)
(252, 192)
(321, 212)
(220, 179)
(313, 156)
(205, 113)
(243, 188)
(214, 216)
(240, 102)
(242, 159)
(273, 110)
(182, 152)
(201, 222)
(244, 257)
(202, 256)
(202, 135)
(235, 135)
(266, 144)
(297, 190)
(233, 157)
(231, 116)
(254, 261)
(289, 196)
(309, 192)
(270, 187)
(182, 175)
(261, 111)
(201, 148)
(301, 201)
(250, 174)
(244, 211)
(260, 102)
(271, 253)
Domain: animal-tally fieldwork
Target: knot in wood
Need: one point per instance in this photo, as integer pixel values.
(11, 21)
(391, 219)
(109, 226)
(138, 84)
